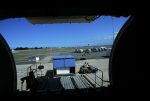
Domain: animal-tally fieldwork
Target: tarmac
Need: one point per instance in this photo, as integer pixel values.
(101, 64)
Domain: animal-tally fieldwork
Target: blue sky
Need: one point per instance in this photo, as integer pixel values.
(19, 32)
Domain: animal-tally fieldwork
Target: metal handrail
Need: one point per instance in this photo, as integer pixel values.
(93, 80)
(29, 68)
(101, 78)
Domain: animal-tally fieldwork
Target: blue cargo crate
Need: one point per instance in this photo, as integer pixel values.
(63, 62)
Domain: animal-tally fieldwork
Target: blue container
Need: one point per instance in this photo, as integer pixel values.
(65, 61)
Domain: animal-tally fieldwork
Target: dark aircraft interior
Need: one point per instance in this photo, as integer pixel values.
(123, 71)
